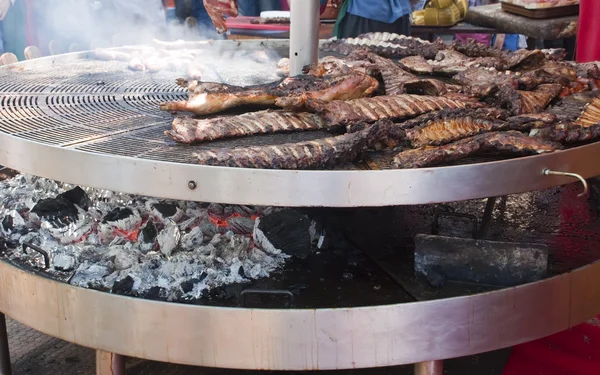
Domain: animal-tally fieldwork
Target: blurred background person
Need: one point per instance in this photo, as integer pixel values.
(365, 16)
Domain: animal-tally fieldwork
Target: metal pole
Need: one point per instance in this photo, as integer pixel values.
(109, 363)
(4, 352)
(304, 34)
(429, 368)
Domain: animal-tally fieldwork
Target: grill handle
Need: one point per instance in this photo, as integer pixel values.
(29, 245)
(290, 295)
(548, 172)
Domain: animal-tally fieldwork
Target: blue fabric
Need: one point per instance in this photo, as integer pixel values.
(511, 42)
(387, 11)
(1, 42)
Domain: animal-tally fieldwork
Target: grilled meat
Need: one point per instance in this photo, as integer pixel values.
(506, 60)
(218, 9)
(568, 133)
(393, 76)
(555, 54)
(510, 142)
(446, 62)
(572, 107)
(385, 44)
(589, 70)
(591, 114)
(189, 130)
(553, 72)
(531, 121)
(396, 107)
(525, 102)
(432, 87)
(321, 153)
(452, 126)
(209, 98)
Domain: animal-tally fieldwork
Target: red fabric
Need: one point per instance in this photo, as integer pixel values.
(572, 352)
(588, 34)
(575, 351)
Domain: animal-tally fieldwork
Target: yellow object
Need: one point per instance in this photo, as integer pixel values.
(440, 4)
(463, 7)
(441, 13)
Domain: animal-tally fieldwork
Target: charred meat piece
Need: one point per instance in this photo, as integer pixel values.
(484, 82)
(385, 44)
(294, 92)
(531, 121)
(525, 102)
(553, 72)
(210, 98)
(454, 125)
(589, 70)
(555, 54)
(510, 142)
(450, 113)
(572, 107)
(431, 87)
(506, 60)
(568, 133)
(321, 153)
(591, 114)
(446, 62)
(218, 9)
(189, 130)
(393, 75)
(396, 107)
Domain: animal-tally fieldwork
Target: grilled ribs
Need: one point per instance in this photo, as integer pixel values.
(525, 102)
(572, 107)
(218, 9)
(452, 125)
(321, 153)
(568, 133)
(393, 76)
(189, 130)
(431, 87)
(210, 98)
(446, 62)
(385, 44)
(505, 60)
(511, 142)
(591, 114)
(396, 107)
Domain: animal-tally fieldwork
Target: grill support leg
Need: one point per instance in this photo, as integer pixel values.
(5, 368)
(109, 363)
(429, 368)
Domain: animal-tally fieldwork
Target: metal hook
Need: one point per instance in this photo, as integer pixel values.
(547, 172)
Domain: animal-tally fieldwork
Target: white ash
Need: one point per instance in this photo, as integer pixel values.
(188, 247)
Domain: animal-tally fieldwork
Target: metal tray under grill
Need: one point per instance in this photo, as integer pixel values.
(97, 124)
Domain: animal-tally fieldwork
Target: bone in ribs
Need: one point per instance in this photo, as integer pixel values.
(397, 46)
(520, 102)
(394, 107)
(218, 9)
(506, 60)
(568, 133)
(210, 98)
(573, 107)
(316, 154)
(446, 62)
(452, 125)
(509, 142)
(189, 130)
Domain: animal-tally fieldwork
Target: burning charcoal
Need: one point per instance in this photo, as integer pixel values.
(167, 211)
(58, 211)
(7, 223)
(63, 262)
(215, 209)
(208, 228)
(120, 222)
(241, 225)
(156, 293)
(90, 276)
(78, 197)
(6, 244)
(436, 278)
(147, 237)
(123, 286)
(192, 240)
(168, 238)
(230, 246)
(241, 272)
(189, 224)
(285, 231)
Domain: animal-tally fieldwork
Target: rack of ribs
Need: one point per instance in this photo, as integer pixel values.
(218, 9)
(316, 154)
(506, 60)
(452, 125)
(568, 133)
(210, 98)
(186, 129)
(571, 108)
(390, 47)
(393, 75)
(520, 102)
(509, 142)
(446, 62)
(393, 107)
